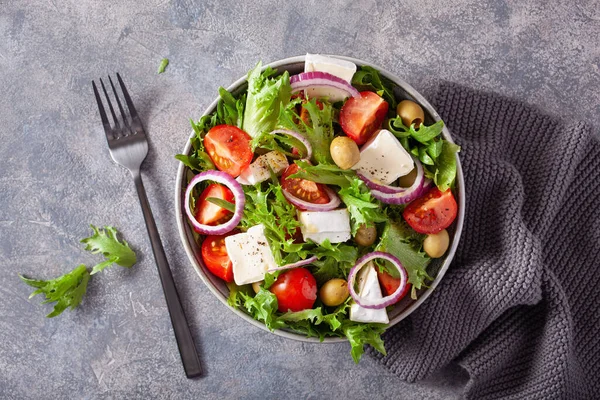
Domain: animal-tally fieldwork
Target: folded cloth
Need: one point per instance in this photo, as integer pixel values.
(519, 307)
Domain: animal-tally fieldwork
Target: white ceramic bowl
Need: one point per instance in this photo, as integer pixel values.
(406, 306)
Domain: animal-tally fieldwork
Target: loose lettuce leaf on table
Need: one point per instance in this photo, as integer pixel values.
(163, 65)
(105, 241)
(66, 291)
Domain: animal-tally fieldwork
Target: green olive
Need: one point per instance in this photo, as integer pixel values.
(334, 292)
(408, 179)
(344, 152)
(365, 235)
(256, 286)
(410, 112)
(435, 245)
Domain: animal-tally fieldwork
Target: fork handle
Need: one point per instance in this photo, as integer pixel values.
(185, 342)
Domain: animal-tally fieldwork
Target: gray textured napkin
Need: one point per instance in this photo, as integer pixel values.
(519, 308)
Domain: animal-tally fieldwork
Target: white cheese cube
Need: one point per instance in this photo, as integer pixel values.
(321, 225)
(341, 68)
(250, 255)
(258, 171)
(383, 159)
(369, 289)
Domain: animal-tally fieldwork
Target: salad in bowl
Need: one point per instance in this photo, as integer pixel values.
(321, 198)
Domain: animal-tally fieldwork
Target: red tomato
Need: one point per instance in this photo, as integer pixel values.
(303, 189)
(432, 212)
(214, 255)
(389, 284)
(296, 290)
(360, 117)
(229, 148)
(208, 213)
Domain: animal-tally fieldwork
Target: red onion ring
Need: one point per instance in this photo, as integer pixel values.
(402, 197)
(300, 263)
(334, 201)
(387, 300)
(299, 137)
(317, 78)
(396, 189)
(238, 194)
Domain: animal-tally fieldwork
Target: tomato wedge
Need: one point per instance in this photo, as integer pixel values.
(432, 212)
(229, 148)
(295, 289)
(389, 284)
(361, 116)
(303, 189)
(208, 213)
(215, 257)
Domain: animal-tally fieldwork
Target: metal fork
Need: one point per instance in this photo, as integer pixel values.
(128, 147)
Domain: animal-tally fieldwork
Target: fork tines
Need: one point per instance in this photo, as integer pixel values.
(129, 126)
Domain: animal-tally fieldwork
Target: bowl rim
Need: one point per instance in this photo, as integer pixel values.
(460, 186)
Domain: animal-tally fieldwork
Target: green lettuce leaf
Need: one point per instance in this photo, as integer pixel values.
(266, 94)
(436, 154)
(266, 204)
(445, 172)
(105, 241)
(404, 243)
(368, 78)
(163, 65)
(316, 322)
(362, 206)
(66, 291)
(318, 131)
(359, 334)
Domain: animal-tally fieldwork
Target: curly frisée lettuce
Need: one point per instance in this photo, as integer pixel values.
(266, 94)
(406, 245)
(68, 290)
(315, 322)
(318, 129)
(364, 209)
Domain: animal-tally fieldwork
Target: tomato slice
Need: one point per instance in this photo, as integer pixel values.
(389, 284)
(215, 257)
(208, 213)
(361, 116)
(432, 212)
(303, 189)
(229, 148)
(295, 289)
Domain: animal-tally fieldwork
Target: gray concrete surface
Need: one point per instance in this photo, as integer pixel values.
(56, 176)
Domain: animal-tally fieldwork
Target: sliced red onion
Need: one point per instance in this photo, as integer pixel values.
(297, 264)
(334, 201)
(395, 189)
(238, 194)
(299, 137)
(402, 197)
(387, 300)
(307, 80)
